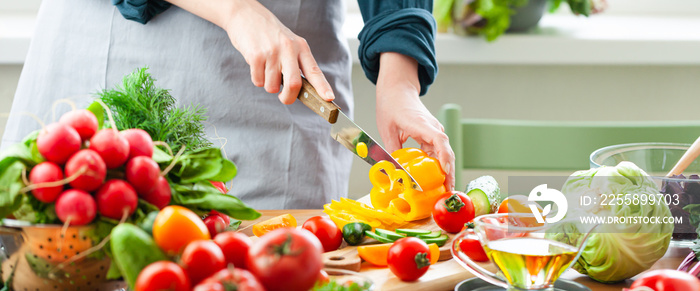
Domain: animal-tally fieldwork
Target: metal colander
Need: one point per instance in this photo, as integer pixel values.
(41, 257)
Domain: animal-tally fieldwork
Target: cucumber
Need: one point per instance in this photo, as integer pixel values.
(354, 232)
(132, 250)
(412, 232)
(485, 195)
(379, 238)
(388, 234)
(433, 234)
(440, 240)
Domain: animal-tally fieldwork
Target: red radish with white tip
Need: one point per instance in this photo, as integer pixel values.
(142, 173)
(111, 146)
(215, 224)
(57, 142)
(93, 167)
(114, 197)
(160, 194)
(82, 120)
(46, 172)
(76, 206)
(140, 143)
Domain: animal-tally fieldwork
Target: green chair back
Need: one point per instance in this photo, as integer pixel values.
(547, 145)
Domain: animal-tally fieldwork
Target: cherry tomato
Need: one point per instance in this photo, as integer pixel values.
(326, 231)
(286, 259)
(176, 226)
(230, 279)
(666, 280)
(162, 275)
(409, 258)
(452, 211)
(215, 224)
(471, 247)
(201, 259)
(235, 246)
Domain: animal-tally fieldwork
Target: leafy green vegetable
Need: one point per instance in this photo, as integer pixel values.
(615, 252)
(333, 285)
(138, 103)
(203, 196)
(31, 209)
(204, 164)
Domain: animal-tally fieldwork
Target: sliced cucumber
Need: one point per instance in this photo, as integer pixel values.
(388, 234)
(412, 232)
(433, 234)
(485, 195)
(377, 237)
(440, 240)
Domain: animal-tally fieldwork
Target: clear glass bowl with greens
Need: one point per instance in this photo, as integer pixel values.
(657, 159)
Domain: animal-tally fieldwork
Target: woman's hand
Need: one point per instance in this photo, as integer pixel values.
(401, 114)
(273, 52)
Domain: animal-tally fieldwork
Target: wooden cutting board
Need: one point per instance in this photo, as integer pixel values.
(346, 257)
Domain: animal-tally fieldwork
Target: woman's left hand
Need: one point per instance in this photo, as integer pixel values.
(401, 114)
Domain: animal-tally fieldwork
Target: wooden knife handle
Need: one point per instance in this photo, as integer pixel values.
(311, 98)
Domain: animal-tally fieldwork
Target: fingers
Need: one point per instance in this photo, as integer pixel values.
(292, 78)
(257, 70)
(273, 75)
(314, 74)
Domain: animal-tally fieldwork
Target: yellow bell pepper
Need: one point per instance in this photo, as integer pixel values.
(347, 210)
(391, 193)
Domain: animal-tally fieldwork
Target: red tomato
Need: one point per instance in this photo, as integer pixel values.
(230, 279)
(162, 275)
(235, 246)
(286, 259)
(471, 247)
(409, 258)
(666, 280)
(326, 231)
(452, 211)
(201, 259)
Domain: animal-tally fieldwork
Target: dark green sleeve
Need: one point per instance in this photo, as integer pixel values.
(140, 11)
(406, 27)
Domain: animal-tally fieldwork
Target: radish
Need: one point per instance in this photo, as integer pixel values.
(57, 142)
(215, 224)
(111, 146)
(44, 173)
(142, 173)
(82, 120)
(76, 205)
(115, 196)
(94, 167)
(160, 194)
(140, 143)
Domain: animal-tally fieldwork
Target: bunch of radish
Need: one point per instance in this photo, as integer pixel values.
(74, 175)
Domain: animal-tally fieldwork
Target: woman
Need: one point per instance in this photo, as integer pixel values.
(208, 52)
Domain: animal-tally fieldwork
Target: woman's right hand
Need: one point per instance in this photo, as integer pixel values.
(273, 52)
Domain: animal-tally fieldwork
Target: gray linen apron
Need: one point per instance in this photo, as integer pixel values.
(285, 155)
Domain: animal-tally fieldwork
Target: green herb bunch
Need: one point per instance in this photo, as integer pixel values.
(138, 103)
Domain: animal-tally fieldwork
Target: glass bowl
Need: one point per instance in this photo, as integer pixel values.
(657, 159)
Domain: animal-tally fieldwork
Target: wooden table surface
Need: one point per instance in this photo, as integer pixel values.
(445, 275)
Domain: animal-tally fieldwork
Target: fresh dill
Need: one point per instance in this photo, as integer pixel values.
(139, 103)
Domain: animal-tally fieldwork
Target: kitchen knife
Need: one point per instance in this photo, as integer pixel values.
(345, 131)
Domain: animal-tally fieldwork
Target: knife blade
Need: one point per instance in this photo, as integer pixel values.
(345, 131)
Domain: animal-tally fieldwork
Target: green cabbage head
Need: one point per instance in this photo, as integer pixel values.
(615, 252)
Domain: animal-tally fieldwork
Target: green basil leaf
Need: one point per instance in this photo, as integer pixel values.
(205, 197)
(227, 173)
(160, 156)
(10, 186)
(199, 165)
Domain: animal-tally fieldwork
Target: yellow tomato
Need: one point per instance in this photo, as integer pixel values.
(176, 226)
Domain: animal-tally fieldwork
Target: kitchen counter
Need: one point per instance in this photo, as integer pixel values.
(447, 274)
